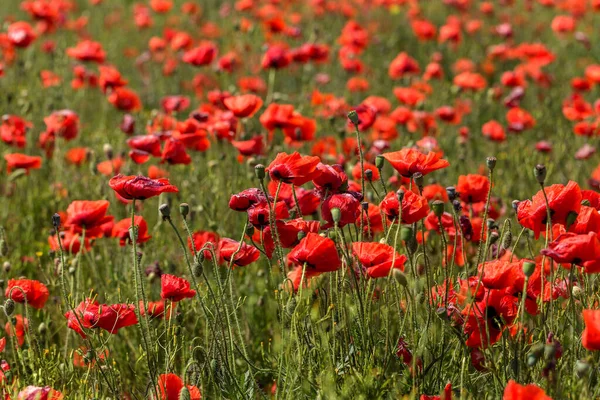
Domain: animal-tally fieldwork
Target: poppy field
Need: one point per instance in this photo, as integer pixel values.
(299, 199)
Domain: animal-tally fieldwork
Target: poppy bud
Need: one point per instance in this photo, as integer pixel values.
(127, 124)
(582, 368)
(165, 211)
(491, 163)
(184, 209)
(451, 191)
(250, 230)
(330, 234)
(108, 151)
(507, 241)
(9, 307)
(301, 235)
(515, 204)
(151, 277)
(494, 237)
(400, 277)
(571, 218)
(336, 215)
(418, 178)
(365, 205)
(540, 173)
(6, 266)
(369, 175)
(528, 268)
(457, 206)
(42, 328)
(379, 161)
(353, 117)
(184, 394)
(586, 202)
(400, 195)
(577, 291)
(491, 224)
(438, 208)
(56, 220)
(259, 171)
(406, 233)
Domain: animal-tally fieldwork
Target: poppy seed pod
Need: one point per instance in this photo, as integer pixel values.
(336, 215)
(400, 195)
(540, 173)
(379, 160)
(184, 209)
(418, 178)
(353, 117)
(438, 208)
(369, 175)
(184, 394)
(165, 211)
(528, 268)
(250, 230)
(457, 206)
(9, 307)
(56, 220)
(365, 205)
(491, 163)
(259, 171)
(451, 191)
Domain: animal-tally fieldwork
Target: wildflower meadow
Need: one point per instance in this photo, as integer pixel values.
(299, 199)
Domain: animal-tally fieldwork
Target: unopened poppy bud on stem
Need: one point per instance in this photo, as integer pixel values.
(451, 191)
(56, 220)
(400, 277)
(250, 230)
(259, 171)
(165, 211)
(184, 209)
(9, 307)
(400, 195)
(528, 268)
(336, 215)
(491, 163)
(369, 175)
(418, 178)
(540, 173)
(438, 208)
(379, 161)
(353, 117)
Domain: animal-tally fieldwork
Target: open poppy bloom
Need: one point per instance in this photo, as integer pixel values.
(91, 314)
(446, 395)
(487, 318)
(244, 106)
(293, 168)
(414, 207)
(514, 391)
(410, 161)
(244, 200)
(71, 242)
(18, 328)
(571, 248)
(378, 258)
(241, 254)
(590, 339)
(120, 230)
(29, 291)
(170, 386)
(562, 201)
(473, 188)
(22, 161)
(175, 288)
(87, 50)
(125, 99)
(13, 130)
(317, 252)
(201, 238)
(348, 206)
(140, 187)
(88, 215)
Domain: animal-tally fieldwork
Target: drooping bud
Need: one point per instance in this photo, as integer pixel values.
(353, 117)
(379, 161)
(400, 277)
(438, 208)
(165, 211)
(507, 241)
(457, 206)
(42, 328)
(9, 307)
(515, 205)
(491, 163)
(184, 209)
(540, 173)
(259, 171)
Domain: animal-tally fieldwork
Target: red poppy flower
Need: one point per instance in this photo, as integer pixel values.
(519, 120)
(293, 168)
(403, 65)
(174, 153)
(71, 242)
(228, 251)
(473, 188)
(140, 187)
(174, 103)
(378, 258)
(147, 143)
(87, 50)
(331, 178)
(250, 147)
(410, 161)
(201, 55)
(125, 99)
(470, 81)
(20, 34)
(243, 106)
(201, 238)
(77, 155)
(414, 207)
(175, 288)
(88, 215)
(156, 309)
(18, 328)
(491, 315)
(110, 78)
(13, 130)
(562, 201)
(110, 167)
(356, 172)
(35, 292)
(288, 234)
(590, 339)
(276, 57)
(39, 393)
(348, 205)
(22, 161)
(258, 214)
(514, 391)
(447, 395)
(244, 200)
(574, 248)
(317, 252)
(91, 314)
(64, 123)
(170, 386)
(120, 230)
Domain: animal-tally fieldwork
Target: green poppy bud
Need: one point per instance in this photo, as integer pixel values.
(353, 117)
(184, 209)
